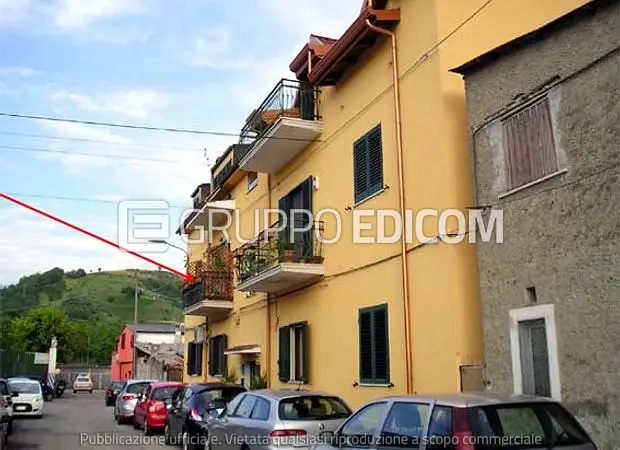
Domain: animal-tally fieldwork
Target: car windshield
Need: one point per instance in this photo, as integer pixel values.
(136, 388)
(162, 394)
(116, 385)
(526, 425)
(316, 407)
(24, 387)
(4, 390)
(82, 380)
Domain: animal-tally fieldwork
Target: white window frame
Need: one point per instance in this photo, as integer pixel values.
(546, 312)
(293, 354)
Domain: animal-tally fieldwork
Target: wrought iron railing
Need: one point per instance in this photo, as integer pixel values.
(212, 277)
(270, 248)
(289, 98)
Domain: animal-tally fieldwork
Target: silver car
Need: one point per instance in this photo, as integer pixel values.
(269, 419)
(461, 422)
(127, 399)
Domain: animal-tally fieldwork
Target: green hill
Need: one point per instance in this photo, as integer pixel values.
(108, 296)
(85, 311)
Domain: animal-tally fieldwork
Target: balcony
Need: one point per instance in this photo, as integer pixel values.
(273, 263)
(282, 126)
(226, 172)
(211, 293)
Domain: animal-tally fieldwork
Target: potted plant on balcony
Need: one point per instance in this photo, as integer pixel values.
(286, 250)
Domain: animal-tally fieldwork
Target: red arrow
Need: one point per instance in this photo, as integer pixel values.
(186, 276)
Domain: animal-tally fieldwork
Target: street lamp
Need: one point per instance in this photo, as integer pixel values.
(161, 241)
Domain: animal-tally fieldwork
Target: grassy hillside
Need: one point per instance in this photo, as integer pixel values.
(106, 296)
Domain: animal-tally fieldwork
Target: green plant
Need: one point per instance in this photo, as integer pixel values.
(258, 381)
(228, 376)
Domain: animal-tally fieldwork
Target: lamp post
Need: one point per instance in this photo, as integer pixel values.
(161, 241)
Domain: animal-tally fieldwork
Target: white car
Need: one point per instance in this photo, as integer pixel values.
(29, 399)
(83, 383)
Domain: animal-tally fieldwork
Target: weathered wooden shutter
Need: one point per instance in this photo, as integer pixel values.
(365, 346)
(360, 164)
(198, 358)
(284, 354)
(307, 107)
(305, 355)
(381, 345)
(190, 358)
(529, 145)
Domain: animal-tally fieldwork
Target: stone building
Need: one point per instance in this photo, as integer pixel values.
(544, 116)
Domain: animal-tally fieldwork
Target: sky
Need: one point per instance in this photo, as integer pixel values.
(191, 64)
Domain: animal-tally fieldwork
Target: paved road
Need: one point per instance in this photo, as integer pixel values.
(79, 421)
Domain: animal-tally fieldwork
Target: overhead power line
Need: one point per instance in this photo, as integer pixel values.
(98, 141)
(96, 155)
(144, 127)
(76, 199)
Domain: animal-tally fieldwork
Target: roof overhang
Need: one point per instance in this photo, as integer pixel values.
(202, 216)
(358, 38)
(243, 350)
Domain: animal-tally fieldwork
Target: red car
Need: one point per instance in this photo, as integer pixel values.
(151, 409)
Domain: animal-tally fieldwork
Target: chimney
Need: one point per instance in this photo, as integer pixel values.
(200, 194)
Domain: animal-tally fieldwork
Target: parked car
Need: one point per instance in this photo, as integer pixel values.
(83, 383)
(293, 417)
(151, 411)
(461, 422)
(112, 392)
(29, 398)
(48, 391)
(189, 407)
(127, 398)
(8, 396)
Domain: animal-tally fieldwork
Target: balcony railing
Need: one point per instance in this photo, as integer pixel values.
(289, 98)
(271, 248)
(221, 175)
(213, 277)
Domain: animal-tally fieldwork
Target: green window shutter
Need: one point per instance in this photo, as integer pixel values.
(222, 356)
(374, 345)
(360, 164)
(307, 107)
(190, 357)
(381, 345)
(284, 205)
(365, 346)
(375, 160)
(211, 361)
(305, 355)
(198, 359)
(307, 236)
(284, 354)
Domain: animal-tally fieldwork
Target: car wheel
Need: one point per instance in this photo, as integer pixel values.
(135, 424)
(167, 439)
(146, 429)
(90, 392)
(74, 391)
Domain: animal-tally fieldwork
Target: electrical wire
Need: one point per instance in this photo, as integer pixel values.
(98, 141)
(95, 155)
(146, 128)
(76, 199)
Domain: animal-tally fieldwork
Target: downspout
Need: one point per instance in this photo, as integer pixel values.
(401, 195)
(268, 306)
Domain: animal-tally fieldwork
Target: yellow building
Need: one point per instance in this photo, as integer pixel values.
(359, 320)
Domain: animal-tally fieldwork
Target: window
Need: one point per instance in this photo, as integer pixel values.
(194, 359)
(545, 424)
(529, 145)
(535, 366)
(361, 429)
(232, 405)
(404, 425)
(374, 345)
(4, 389)
(293, 357)
(313, 407)
(367, 165)
(217, 358)
(163, 394)
(136, 388)
(123, 340)
(245, 407)
(252, 180)
(441, 423)
(261, 409)
(530, 294)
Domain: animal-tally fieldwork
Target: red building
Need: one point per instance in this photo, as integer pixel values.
(123, 366)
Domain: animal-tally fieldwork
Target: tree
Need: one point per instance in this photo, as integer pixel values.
(34, 331)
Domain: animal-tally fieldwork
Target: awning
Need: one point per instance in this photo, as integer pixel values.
(243, 350)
